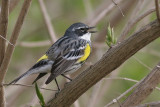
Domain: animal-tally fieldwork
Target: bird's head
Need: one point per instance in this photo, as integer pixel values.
(79, 30)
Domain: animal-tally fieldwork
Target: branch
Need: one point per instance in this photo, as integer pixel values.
(127, 79)
(3, 33)
(3, 27)
(139, 61)
(118, 7)
(133, 20)
(151, 104)
(122, 95)
(88, 8)
(144, 88)
(94, 94)
(157, 10)
(6, 40)
(10, 48)
(110, 62)
(13, 4)
(24, 85)
(47, 21)
(98, 17)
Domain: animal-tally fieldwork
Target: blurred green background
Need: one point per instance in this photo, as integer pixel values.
(63, 13)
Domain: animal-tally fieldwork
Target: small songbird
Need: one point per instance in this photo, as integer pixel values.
(65, 56)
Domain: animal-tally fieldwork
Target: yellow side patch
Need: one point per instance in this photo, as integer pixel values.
(87, 52)
(43, 57)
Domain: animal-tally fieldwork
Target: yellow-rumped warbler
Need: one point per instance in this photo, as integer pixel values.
(65, 56)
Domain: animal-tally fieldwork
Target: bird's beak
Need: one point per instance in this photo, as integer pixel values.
(91, 31)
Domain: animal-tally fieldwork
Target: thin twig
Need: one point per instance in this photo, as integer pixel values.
(47, 21)
(150, 104)
(157, 10)
(94, 94)
(144, 89)
(88, 8)
(151, 51)
(120, 105)
(95, 19)
(128, 26)
(24, 85)
(106, 86)
(118, 7)
(10, 91)
(6, 40)
(133, 22)
(127, 79)
(122, 95)
(149, 68)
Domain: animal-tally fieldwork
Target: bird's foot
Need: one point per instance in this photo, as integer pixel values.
(57, 92)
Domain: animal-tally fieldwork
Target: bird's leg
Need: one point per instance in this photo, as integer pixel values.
(57, 87)
(66, 77)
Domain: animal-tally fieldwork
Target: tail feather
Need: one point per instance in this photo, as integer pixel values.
(39, 76)
(50, 78)
(20, 77)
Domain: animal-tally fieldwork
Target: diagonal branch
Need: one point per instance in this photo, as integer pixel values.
(118, 7)
(151, 104)
(110, 62)
(144, 89)
(95, 18)
(130, 24)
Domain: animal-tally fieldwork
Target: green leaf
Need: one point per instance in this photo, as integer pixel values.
(110, 38)
(109, 32)
(108, 43)
(40, 96)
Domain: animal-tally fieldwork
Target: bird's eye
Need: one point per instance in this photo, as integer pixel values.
(82, 29)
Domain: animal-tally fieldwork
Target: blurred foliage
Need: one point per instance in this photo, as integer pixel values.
(63, 13)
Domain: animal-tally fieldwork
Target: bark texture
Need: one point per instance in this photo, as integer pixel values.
(3, 33)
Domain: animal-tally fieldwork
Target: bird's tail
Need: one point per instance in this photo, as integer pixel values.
(20, 77)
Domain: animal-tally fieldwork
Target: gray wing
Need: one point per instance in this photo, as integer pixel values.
(70, 53)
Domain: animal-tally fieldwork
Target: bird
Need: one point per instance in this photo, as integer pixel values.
(65, 56)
